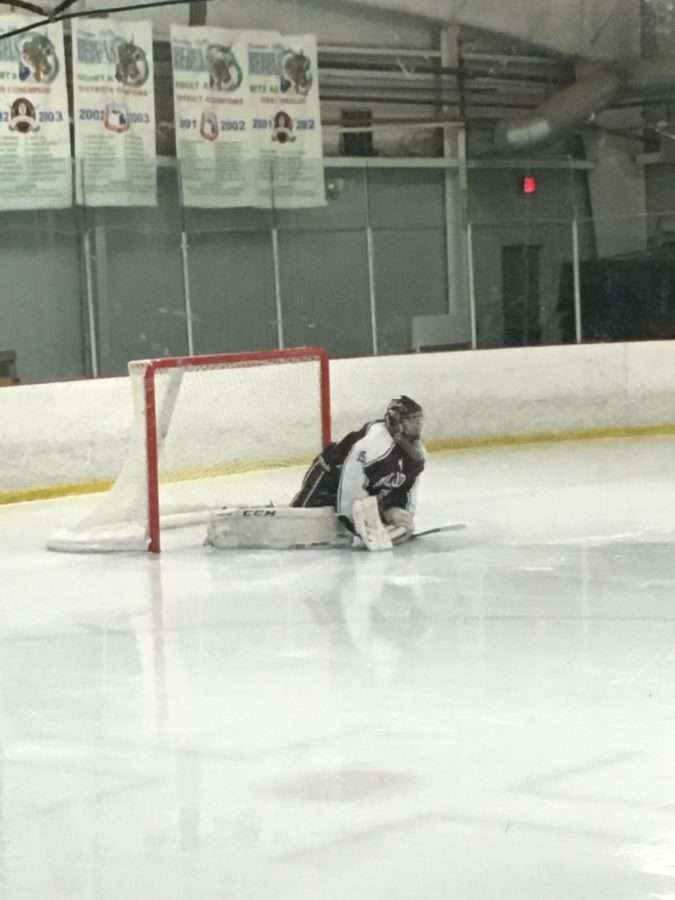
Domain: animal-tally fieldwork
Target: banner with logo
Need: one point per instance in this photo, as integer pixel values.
(35, 156)
(288, 144)
(114, 113)
(212, 114)
(248, 120)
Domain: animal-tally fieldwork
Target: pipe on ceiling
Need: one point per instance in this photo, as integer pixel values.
(559, 114)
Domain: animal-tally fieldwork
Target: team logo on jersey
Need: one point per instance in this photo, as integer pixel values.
(296, 73)
(38, 62)
(209, 126)
(391, 482)
(225, 73)
(23, 116)
(116, 118)
(131, 69)
(283, 128)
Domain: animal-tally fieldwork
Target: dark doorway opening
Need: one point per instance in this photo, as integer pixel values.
(520, 292)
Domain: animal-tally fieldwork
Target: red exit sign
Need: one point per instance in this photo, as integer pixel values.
(529, 184)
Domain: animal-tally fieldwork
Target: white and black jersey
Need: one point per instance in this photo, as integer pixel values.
(367, 462)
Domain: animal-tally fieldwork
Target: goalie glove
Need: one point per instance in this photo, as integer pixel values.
(399, 523)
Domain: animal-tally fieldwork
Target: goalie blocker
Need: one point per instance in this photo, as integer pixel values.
(291, 528)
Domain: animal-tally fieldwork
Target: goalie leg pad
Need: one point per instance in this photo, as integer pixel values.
(275, 528)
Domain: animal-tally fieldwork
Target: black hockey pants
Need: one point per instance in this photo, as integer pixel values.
(319, 486)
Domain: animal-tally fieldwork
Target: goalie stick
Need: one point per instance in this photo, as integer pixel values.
(375, 535)
(455, 526)
(371, 543)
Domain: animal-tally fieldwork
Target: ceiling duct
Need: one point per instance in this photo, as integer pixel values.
(640, 79)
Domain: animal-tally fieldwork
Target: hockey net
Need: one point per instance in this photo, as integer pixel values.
(208, 432)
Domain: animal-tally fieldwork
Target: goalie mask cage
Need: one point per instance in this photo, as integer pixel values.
(209, 431)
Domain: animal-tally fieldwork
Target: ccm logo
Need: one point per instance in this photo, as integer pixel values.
(259, 512)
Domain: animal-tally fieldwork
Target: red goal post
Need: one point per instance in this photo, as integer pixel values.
(210, 431)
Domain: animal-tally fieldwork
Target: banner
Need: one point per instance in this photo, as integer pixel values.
(114, 112)
(212, 114)
(248, 120)
(35, 155)
(288, 144)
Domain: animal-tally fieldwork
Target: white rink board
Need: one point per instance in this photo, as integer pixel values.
(513, 392)
(77, 432)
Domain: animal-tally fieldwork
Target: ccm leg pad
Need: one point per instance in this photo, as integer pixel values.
(275, 528)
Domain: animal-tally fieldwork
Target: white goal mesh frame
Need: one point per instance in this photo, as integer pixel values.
(152, 423)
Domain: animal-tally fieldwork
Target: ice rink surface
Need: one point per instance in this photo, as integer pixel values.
(482, 715)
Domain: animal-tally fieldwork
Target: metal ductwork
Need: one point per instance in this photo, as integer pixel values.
(640, 79)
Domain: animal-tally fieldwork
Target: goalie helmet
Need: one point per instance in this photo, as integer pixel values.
(404, 419)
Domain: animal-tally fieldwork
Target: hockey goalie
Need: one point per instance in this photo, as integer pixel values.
(359, 491)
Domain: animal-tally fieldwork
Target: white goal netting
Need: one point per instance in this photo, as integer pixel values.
(230, 431)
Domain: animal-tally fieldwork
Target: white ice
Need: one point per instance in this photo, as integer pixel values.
(482, 714)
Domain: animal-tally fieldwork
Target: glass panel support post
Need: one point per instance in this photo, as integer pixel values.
(372, 287)
(187, 296)
(91, 313)
(472, 286)
(578, 335)
(278, 300)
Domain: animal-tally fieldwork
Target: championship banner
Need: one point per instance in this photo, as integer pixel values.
(286, 121)
(212, 114)
(35, 157)
(114, 112)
